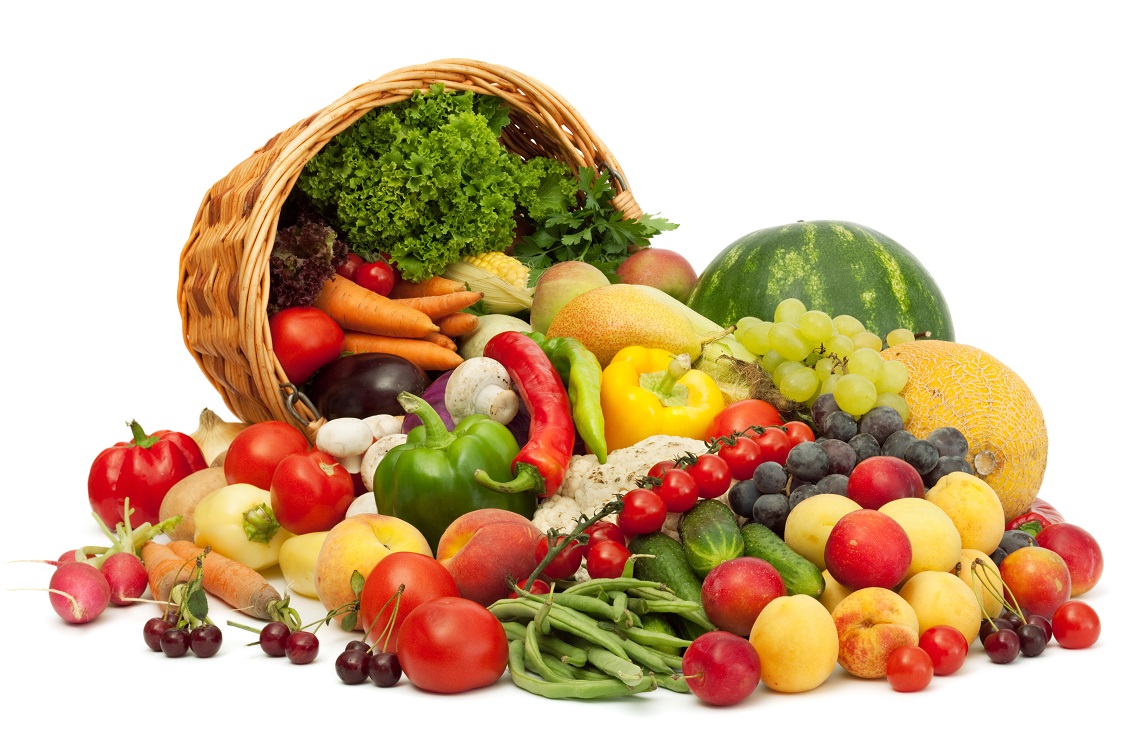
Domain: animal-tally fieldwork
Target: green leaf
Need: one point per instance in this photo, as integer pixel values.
(197, 603)
(348, 622)
(357, 581)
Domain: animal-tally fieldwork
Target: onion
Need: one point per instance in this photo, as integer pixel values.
(213, 435)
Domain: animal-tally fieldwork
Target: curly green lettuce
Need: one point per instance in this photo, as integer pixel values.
(427, 182)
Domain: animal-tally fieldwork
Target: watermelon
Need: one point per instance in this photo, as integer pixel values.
(838, 267)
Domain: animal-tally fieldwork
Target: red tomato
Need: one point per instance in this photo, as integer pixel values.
(946, 647)
(376, 276)
(253, 455)
(310, 492)
(565, 563)
(742, 457)
(798, 432)
(304, 339)
(774, 445)
(450, 645)
(711, 474)
(350, 265)
(658, 470)
(1076, 625)
(607, 559)
(603, 530)
(538, 588)
(741, 415)
(909, 669)
(382, 610)
(678, 491)
(644, 512)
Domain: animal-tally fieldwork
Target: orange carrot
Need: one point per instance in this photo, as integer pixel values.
(433, 285)
(357, 308)
(457, 324)
(440, 305)
(427, 355)
(240, 586)
(441, 340)
(165, 569)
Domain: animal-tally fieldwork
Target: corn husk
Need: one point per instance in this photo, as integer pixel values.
(500, 297)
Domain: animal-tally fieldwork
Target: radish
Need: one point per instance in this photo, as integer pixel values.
(126, 576)
(79, 592)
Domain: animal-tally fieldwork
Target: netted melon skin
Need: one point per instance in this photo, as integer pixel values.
(952, 384)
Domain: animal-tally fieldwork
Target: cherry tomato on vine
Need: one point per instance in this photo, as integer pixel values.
(538, 588)
(946, 646)
(565, 564)
(377, 277)
(798, 432)
(742, 415)
(348, 267)
(742, 457)
(909, 669)
(1076, 625)
(658, 470)
(606, 559)
(678, 491)
(774, 445)
(643, 512)
(603, 530)
(711, 474)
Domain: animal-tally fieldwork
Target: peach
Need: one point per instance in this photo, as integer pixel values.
(358, 543)
(810, 522)
(665, 270)
(833, 592)
(943, 598)
(796, 641)
(933, 537)
(973, 506)
(1037, 580)
(482, 548)
(985, 581)
(867, 549)
(871, 623)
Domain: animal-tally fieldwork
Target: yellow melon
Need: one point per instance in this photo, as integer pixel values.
(951, 384)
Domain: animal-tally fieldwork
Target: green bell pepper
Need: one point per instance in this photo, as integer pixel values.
(429, 480)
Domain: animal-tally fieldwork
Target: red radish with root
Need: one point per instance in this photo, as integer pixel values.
(79, 592)
(126, 576)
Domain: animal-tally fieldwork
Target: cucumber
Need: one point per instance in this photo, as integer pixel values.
(710, 536)
(799, 575)
(668, 565)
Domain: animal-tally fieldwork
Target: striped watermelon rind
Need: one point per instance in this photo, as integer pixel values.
(838, 267)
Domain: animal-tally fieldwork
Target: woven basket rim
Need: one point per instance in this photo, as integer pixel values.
(248, 227)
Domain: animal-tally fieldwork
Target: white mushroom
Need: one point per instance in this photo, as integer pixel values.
(384, 424)
(374, 454)
(364, 503)
(345, 439)
(481, 386)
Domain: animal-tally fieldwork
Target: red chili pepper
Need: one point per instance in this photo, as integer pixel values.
(1029, 522)
(143, 469)
(1046, 510)
(542, 462)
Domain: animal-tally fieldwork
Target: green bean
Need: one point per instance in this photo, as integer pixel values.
(649, 638)
(608, 584)
(621, 668)
(674, 682)
(579, 689)
(620, 607)
(556, 646)
(663, 607)
(565, 619)
(549, 670)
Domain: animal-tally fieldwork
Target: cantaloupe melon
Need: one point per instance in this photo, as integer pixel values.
(951, 384)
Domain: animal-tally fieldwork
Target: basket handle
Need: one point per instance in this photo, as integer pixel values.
(617, 176)
(291, 395)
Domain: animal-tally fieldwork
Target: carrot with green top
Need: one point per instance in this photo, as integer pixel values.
(237, 584)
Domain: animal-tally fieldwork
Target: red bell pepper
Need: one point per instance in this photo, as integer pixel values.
(1040, 515)
(143, 469)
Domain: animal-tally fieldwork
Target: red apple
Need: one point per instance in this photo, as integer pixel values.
(1081, 552)
(1037, 580)
(883, 478)
(867, 549)
(735, 591)
(666, 270)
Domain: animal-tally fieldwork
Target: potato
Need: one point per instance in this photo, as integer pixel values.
(183, 497)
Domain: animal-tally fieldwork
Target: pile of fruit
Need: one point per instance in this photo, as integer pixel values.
(601, 476)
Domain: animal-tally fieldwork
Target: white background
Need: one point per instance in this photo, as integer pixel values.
(985, 138)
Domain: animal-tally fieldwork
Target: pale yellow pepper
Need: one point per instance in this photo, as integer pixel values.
(237, 521)
(648, 391)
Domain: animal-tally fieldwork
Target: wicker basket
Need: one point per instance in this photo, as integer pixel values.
(224, 266)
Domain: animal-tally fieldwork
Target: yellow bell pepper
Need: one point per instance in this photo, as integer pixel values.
(649, 391)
